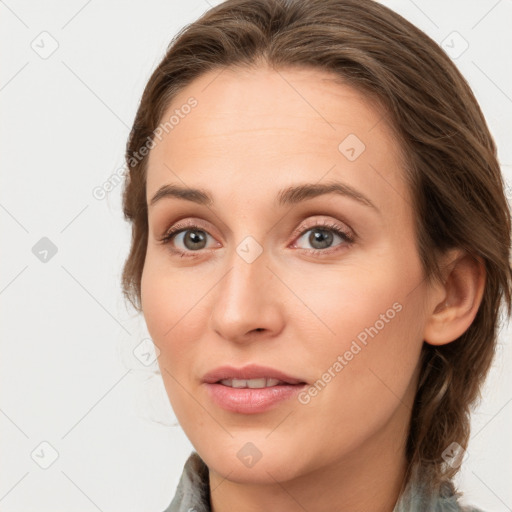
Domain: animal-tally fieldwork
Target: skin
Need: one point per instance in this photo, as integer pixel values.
(252, 133)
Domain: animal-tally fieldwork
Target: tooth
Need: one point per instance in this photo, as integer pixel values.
(256, 383)
(251, 383)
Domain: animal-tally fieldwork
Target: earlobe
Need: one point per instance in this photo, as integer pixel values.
(454, 308)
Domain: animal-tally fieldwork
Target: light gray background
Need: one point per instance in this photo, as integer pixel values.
(69, 376)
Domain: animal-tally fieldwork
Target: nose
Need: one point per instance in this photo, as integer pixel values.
(247, 303)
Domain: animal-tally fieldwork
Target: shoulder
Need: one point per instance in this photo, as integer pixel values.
(193, 491)
(416, 498)
(450, 495)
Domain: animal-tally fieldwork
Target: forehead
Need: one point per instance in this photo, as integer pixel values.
(259, 128)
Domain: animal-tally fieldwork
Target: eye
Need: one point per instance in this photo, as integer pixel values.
(187, 239)
(322, 235)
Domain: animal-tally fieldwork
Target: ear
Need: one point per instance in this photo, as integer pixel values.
(454, 303)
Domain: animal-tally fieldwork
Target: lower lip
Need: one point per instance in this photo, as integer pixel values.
(251, 400)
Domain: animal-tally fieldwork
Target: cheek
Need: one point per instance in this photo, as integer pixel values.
(163, 304)
(368, 330)
(173, 323)
(345, 303)
(365, 371)
(174, 307)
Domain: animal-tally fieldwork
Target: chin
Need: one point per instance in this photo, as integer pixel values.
(257, 463)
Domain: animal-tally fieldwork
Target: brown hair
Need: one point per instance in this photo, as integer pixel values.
(451, 166)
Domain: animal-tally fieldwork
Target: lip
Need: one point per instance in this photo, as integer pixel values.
(250, 400)
(252, 371)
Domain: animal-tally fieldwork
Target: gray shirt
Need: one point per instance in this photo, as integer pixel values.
(193, 493)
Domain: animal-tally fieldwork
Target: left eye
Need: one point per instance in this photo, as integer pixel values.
(322, 237)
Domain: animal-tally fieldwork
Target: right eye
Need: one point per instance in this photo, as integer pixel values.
(192, 239)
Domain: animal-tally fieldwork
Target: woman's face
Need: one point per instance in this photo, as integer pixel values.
(326, 288)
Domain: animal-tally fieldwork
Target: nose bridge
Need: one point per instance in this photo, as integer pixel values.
(247, 297)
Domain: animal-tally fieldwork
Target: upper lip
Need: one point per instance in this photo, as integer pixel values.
(252, 371)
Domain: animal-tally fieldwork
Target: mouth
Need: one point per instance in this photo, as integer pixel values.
(252, 389)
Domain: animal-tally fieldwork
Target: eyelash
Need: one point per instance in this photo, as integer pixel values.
(327, 226)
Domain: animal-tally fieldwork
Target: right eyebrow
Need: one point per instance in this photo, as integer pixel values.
(195, 195)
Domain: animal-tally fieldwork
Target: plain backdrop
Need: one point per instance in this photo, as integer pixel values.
(85, 423)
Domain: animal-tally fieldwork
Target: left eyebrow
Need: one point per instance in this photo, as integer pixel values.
(287, 196)
(298, 193)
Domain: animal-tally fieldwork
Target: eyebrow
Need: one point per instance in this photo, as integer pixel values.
(288, 196)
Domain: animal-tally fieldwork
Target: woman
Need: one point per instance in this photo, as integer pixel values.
(320, 249)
